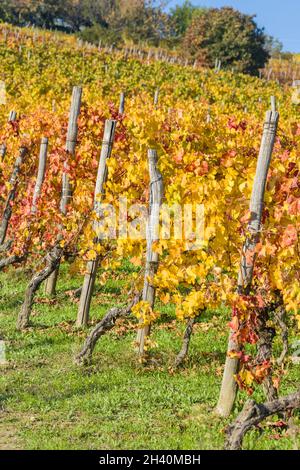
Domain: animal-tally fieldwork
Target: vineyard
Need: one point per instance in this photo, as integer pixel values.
(120, 341)
(282, 70)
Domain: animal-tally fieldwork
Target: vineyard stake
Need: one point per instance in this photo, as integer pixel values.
(156, 196)
(229, 386)
(122, 103)
(91, 269)
(40, 173)
(12, 259)
(12, 116)
(71, 141)
(156, 96)
(13, 183)
(2, 151)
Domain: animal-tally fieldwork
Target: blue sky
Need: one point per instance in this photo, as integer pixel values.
(281, 18)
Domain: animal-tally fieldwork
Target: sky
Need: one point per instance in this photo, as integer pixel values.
(281, 18)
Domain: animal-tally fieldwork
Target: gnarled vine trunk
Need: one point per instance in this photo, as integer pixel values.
(106, 324)
(253, 413)
(52, 261)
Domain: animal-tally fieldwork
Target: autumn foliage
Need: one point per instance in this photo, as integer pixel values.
(206, 161)
(227, 35)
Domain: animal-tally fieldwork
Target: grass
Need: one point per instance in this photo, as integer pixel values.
(46, 402)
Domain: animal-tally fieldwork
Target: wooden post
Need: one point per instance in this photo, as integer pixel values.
(40, 173)
(12, 116)
(91, 270)
(156, 95)
(156, 196)
(208, 116)
(71, 141)
(71, 145)
(2, 151)
(13, 183)
(273, 104)
(218, 65)
(122, 103)
(229, 387)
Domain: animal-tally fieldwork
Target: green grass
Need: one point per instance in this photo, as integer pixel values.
(46, 402)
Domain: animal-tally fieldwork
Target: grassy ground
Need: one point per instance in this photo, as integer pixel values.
(46, 402)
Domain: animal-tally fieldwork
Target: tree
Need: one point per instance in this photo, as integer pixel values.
(274, 46)
(5, 12)
(181, 17)
(146, 22)
(228, 35)
(121, 20)
(41, 13)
